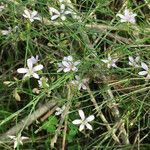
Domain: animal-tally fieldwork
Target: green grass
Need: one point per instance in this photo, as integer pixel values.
(109, 90)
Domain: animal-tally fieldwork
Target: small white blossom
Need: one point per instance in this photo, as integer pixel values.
(80, 83)
(134, 62)
(43, 82)
(30, 71)
(128, 16)
(31, 15)
(68, 64)
(18, 140)
(6, 32)
(110, 61)
(83, 121)
(146, 71)
(59, 14)
(59, 110)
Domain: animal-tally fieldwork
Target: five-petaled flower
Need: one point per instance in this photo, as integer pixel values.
(80, 83)
(110, 61)
(59, 14)
(146, 71)
(31, 15)
(134, 61)
(83, 122)
(59, 110)
(18, 140)
(68, 64)
(128, 16)
(31, 70)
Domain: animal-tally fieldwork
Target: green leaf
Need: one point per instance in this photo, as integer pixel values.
(73, 130)
(50, 125)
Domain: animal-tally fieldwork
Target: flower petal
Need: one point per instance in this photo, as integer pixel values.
(77, 63)
(77, 121)
(82, 126)
(53, 10)
(26, 13)
(38, 67)
(22, 70)
(144, 66)
(54, 17)
(131, 59)
(35, 75)
(66, 69)
(81, 113)
(66, 64)
(89, 126)
(90, 118)
(142, 73)
(148, 76)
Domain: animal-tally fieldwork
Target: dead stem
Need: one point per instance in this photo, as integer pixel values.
(29, 119)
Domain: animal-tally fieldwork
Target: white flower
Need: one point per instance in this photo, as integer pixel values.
(31, 15)
(110, 61)
(43, 82)
(84, 121)
(59, 110)
(30, 71)
(128, 16)
(6, 32)
(146, 71)
(134, 62)
(18, 140)
(68, 64)
(80, 83)
(59, 14)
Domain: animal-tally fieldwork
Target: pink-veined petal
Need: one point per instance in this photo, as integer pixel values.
(81, 113)
(89, 126)
(90, 118)
(66, 64)
(38, 67)
(66, 69)
(22, 70)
